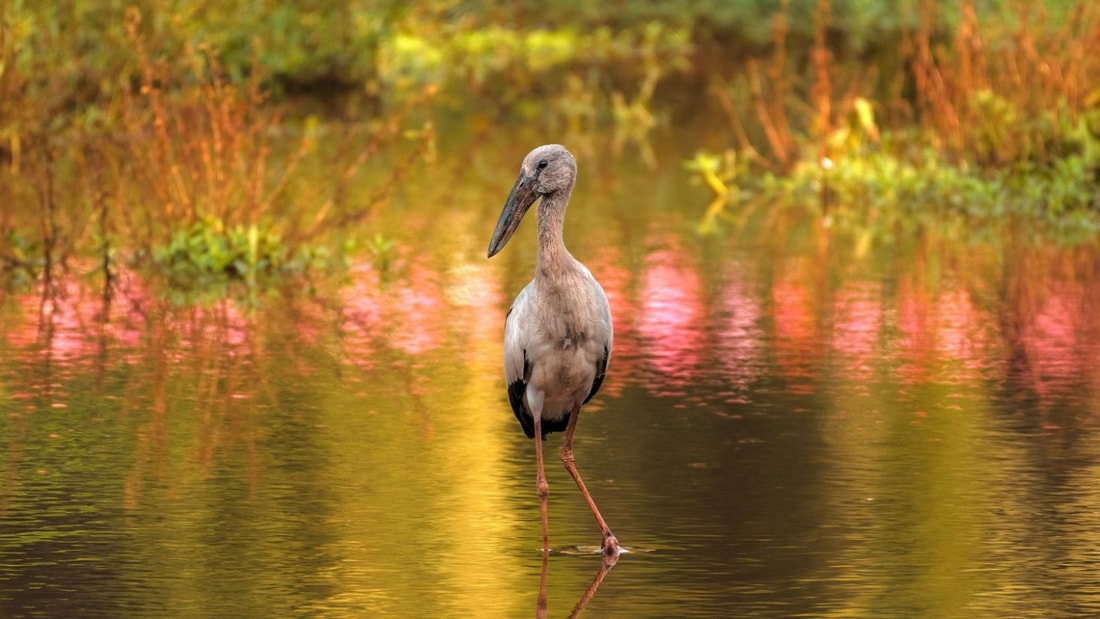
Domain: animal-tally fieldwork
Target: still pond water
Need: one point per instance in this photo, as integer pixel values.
(790, 426)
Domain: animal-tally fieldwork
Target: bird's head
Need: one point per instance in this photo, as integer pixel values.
(546, 170)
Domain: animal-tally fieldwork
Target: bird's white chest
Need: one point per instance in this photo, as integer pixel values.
(564, 352)
(562, 372)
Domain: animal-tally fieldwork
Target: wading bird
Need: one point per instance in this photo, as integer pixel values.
(557, 336)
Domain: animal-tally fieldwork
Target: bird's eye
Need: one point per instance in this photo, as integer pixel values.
(543, 163)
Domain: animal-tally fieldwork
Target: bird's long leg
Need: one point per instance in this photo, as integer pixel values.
(540, 603)
(610, 543)
(541, 487)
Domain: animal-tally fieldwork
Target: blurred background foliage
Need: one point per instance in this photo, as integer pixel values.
(79, 52)
(156, 118)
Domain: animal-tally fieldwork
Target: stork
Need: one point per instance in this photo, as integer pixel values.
(557, 335)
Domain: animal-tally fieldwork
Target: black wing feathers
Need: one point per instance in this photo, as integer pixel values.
(601, 369)
(515, 396)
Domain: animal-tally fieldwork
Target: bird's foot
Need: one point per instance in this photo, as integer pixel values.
(610, 548)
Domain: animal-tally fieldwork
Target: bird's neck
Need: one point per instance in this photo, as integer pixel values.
(552, 254)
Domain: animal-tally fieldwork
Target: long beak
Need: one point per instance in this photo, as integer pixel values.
(519, 200)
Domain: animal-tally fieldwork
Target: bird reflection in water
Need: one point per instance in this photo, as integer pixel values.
(541, 605)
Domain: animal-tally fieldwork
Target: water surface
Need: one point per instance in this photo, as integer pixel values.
(789, 427)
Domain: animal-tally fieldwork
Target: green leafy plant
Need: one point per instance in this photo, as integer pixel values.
(208, 250)
(382, 251)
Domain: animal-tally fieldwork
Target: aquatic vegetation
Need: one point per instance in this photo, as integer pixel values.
(21, 257)
(719, 174)
(887, 194)
(193, 169)
(382, 251)
(210, 250)
(991, 124)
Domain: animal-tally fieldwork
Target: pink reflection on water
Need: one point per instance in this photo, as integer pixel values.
(223, 321)
(64, 321)
(857, 328)
(362, 310)
(408, 314)
(939, 328)
(1059, 340)
(417, 313)
(962, 329)
(607, 268)
(914, 308)
(797, 335)
(737, 337)
(671, 318)
(75, 320)
(474, 289)
(71, 329)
